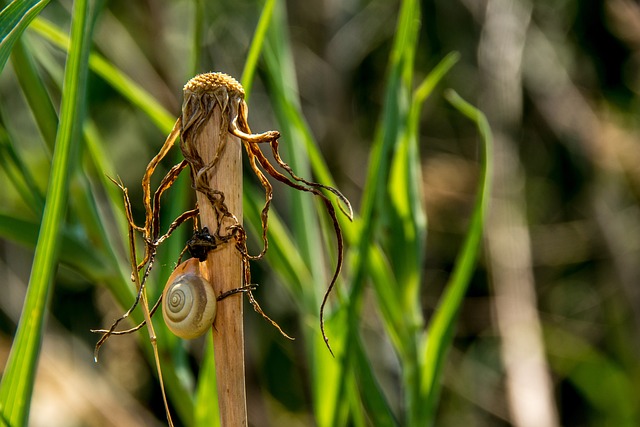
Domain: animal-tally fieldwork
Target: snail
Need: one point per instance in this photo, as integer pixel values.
(188, 300)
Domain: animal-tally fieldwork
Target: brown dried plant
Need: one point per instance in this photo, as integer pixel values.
(201, 95)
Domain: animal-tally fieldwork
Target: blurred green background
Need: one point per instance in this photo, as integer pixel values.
(548, 333)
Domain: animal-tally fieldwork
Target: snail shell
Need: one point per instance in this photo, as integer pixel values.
(188, 300)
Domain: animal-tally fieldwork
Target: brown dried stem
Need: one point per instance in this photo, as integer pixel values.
(216, 172)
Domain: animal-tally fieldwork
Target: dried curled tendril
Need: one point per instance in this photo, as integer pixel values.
(201, 95)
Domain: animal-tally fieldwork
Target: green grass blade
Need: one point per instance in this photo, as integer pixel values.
(385, 287)
(437, 339)
(257, 44)
(405, 209)
(117, 79)
(387, 137)
(207, 413)
(25, 233)
(282, 82)
(406, 242)
(394, 113)
(373, 399)
(19, 175)
(34, 90)
(405, 212)
(14, 19)
(391, 128)
(305, 227)
(19, 376)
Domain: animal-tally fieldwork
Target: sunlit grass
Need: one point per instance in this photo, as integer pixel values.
(387, 237)
(19, 374)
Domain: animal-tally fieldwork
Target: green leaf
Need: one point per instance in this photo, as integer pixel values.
(282, 84)
(17, 383)
(400, 303)
(257, 44)
(207, 413)
(14, 19)
(19, 175)
(306, 232)
(373, 398)
(388, 135)
(391, 129)
(437, 339)
(35, 92)
(117, 79)
(405, 212)
(25, 233)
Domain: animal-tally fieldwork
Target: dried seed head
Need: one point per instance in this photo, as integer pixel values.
(209, 82)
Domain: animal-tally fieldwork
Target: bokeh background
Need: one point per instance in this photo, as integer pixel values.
(549, 333)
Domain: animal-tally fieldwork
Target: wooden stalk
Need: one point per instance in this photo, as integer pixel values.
(225, 262)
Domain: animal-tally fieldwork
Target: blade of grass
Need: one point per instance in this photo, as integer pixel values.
(438, 337)
(281, 78)
(206, 401)
(34, 90)
(25, 233)
(374, 401)
(118, 80)
(14, 19)
(19, 376)
(386, 138)
(399, 304)
(407, 222)
(405, 210)
(19, 175)
(257, 44)
(304, 225)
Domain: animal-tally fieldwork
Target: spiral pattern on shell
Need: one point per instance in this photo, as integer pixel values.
(189, 305)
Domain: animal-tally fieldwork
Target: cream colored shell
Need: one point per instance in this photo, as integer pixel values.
(188, 301)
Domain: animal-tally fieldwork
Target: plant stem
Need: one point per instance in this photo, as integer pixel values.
(225, 267)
